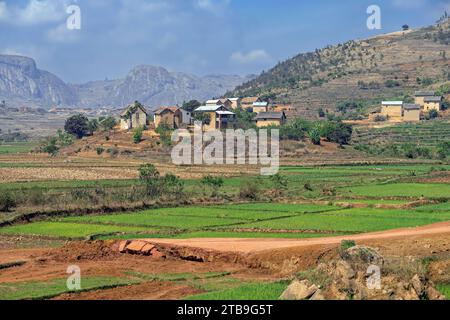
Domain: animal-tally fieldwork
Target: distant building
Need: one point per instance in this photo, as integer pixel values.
(235, 103)
(266, 119)
(217, 117)
(170, 116)
(419, 97)
(220, 102)
(411, 112)
(393, 110)
(432, 103)
(259, 107)
(134, 116)
(248, 102)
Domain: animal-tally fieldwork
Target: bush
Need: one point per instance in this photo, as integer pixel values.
(50, 147)
(172, 185)
(215, 183)
(100, 150)
(151, 177)
(279, 183)
(443, 150)
(347, 244)
(391, 83)
(249, 189)
(7, 202)
(314, 135)
(137, 135)
(165, 133)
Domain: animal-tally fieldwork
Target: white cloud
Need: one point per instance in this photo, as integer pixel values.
(215, 6)
(253, 57)
(35, 12)
(63, 35)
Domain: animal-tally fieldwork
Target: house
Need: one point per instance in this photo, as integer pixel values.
(420, 97)
(216, 117)
(247, 103)
(259, 107)
(170, 116)
(133, 117)
(220, 102)
(411, 112)
(235, 103)
(266, 119)
(393, 110)
(432, 103)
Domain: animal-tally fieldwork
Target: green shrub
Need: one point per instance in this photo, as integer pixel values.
(151, 177)
(215, 183)
(100, 150)
(249, 189)
(137, 135)
(347, 244)
(7, 202)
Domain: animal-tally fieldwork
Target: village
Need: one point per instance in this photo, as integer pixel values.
(215, 114)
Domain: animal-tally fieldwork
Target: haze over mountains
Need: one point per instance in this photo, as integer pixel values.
(23, 84)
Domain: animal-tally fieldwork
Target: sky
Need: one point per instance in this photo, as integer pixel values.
(196, 36)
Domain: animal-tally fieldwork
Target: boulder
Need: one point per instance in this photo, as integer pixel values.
(318, 295)
(123, 246)
(136, 246)
(344, 270)
(417, 284)
(363, 255)
(299, 290)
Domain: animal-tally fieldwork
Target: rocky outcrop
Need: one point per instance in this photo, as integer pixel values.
(21, 82)
(354, 277)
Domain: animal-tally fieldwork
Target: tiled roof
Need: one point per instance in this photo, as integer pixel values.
(270, 115)
(424, 93)
(433, 99)
(411, 106)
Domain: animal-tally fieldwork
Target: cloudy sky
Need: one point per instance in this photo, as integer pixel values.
(197, 36)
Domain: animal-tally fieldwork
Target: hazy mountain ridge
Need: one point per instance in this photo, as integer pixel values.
(21, 83)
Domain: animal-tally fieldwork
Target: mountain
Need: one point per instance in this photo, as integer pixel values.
(21, 82)
(155, 86)
(383, 67)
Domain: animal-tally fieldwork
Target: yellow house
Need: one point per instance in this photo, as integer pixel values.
(259, 107)
(248, 102)
(133, 117)
(432, 103)
(393, 110)
(420, 97)
(171, 116)
(411, 112)
(267, 119)
(235, 103)
(216, 117)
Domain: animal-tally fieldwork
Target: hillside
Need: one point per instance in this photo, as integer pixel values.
(386, 66)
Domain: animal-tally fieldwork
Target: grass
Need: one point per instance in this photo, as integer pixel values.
(444, 289)
(68, 230)
(253, 291)
(17, 147)
(416, 190)
(440, 207)
(47, 289)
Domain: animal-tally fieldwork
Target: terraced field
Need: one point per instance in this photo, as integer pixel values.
(270, 220)
(428, 134)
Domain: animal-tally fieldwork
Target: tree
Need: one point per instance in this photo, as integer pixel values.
(443, 150)
(77, 125)
(405, 27)
(93, 126)
(7, 202)
(151, 177)
(191, 105)
(215, 183)
(314, 135)
(51, 147)
(173, 185)
(108, 123)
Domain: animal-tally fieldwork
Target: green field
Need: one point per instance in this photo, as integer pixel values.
(16, 147)
(259, 220)
(409, 190)
(51, 288)
(444, 289)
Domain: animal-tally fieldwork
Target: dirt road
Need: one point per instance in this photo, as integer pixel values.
(256, 245)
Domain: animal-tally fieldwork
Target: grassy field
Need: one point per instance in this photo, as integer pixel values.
(17, 147)
(407, 190)
(51, 288)
(260, 220)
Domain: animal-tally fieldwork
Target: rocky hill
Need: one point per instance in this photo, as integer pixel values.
(383, 67)
(22, 84)
(155, 86)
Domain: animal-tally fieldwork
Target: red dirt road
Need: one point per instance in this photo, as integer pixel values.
(257, 245)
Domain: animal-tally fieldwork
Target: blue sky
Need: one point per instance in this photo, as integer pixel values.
(197, 36)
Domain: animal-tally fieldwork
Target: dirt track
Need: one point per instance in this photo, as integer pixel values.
(257, 245)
